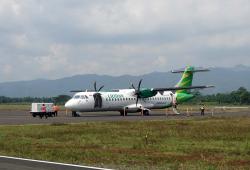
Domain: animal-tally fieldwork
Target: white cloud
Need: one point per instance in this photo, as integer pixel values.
(7, 69)
(60, 38)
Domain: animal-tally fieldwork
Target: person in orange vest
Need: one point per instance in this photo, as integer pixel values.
(43, 109)
(55, 109)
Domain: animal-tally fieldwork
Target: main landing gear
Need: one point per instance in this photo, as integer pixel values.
(123, 113)
(145, 112)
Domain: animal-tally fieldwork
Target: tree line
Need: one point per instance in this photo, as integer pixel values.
(237, 97)
(61, 99)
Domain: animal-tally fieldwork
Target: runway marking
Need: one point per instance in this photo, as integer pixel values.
(55, 163)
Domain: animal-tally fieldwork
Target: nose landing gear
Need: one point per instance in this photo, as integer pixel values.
(75, 114)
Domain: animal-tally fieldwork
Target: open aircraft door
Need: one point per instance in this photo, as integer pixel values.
(98, 100)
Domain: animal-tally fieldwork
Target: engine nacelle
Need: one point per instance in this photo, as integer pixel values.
(145, 93)
(133, 108)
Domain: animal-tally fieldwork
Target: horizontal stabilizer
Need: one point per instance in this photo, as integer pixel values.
(193, 70)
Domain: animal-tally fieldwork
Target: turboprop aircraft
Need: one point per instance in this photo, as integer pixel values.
(135, 99)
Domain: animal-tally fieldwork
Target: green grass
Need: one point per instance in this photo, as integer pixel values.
(13, 107)
(18, 107)
(211, 143)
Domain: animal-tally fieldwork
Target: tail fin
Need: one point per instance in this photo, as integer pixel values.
(187, 77)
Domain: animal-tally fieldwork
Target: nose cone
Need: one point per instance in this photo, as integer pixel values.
(69, 104)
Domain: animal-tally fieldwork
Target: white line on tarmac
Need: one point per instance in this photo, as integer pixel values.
(54, 163)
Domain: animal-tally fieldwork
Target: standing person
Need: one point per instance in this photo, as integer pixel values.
(202, 110)
(55, 109)
(43, 108)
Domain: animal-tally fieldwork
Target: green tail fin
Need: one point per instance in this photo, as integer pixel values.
(186, 79)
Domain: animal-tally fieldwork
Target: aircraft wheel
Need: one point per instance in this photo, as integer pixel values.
(41, 116)
(73, 114)
(145, 112)
(122, 113)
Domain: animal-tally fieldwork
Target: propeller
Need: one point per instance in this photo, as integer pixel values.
(137, 91)
(95, 87)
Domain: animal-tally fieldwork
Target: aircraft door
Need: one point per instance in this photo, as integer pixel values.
(98, 100)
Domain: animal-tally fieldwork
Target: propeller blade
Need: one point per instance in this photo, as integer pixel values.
(95, 86)
(137, 92)
(100, 88)
(132, 85)
(139, 85)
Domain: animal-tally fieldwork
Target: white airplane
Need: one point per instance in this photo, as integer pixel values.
(135, 100)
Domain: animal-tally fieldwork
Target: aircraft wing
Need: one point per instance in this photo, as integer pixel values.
(181, 88)
(76, 91)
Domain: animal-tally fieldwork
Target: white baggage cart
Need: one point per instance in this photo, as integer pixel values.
(36, 110)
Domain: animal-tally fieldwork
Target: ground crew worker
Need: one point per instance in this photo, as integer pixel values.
(202, 110)
(43, 109)
(55, 109)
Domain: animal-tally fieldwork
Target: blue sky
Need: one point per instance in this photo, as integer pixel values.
(59, 38)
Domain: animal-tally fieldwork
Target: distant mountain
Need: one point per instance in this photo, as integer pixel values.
(225, 80)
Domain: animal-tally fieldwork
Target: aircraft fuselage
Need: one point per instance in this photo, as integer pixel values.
(117, 101)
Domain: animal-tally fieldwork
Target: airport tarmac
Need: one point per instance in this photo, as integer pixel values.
(24, 117)
(13, 163)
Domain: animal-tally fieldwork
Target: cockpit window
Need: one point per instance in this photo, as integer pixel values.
(76, 97)
(82, 97)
